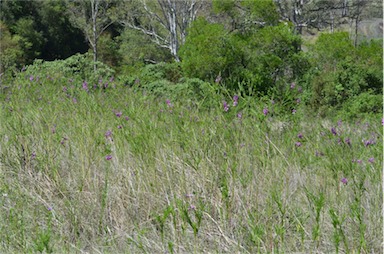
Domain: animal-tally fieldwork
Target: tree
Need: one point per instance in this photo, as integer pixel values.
(245, 16)
(93, 17)
(324, 14)
(11, 53)
(165, 21)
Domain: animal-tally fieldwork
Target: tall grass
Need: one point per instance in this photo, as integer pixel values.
(118, 171)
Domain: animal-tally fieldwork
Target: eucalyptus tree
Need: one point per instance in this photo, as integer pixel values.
(164, 21)
(93, 17)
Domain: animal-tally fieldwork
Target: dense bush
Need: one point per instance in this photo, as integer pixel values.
(361, 105)
(204, 54)
(259, 60)
(342, 74)
(11, 53)
(79, 66)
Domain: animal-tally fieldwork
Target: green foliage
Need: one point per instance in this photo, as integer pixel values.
(43, 29)
(330, 48)
(204, 51)
(136, 49)
(31, 40)
(153, 72)
(262, 60)
(263, 12)
(359, 106)
(344, 74)
(79, 66)
(108, 50)
(11, 53)
(272, 55)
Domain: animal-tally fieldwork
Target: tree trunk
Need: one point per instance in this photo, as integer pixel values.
(172, 21)
(94, 7)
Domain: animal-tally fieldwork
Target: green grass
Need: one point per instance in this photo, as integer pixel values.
(185, 178)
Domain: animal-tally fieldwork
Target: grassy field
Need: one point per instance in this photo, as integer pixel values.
(114, 170)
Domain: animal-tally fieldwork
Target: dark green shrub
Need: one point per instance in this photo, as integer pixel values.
(154, 72)
(79, 66)
(342, 75)
(366, 103)
(204, 51)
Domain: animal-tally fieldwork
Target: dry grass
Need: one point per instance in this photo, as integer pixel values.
(187, 181)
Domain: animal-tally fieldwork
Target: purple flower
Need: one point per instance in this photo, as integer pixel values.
(369, 142)
(118, 114)
(49, 208)
(318, 154)
(126, 118)
(33, 155)
(65, 89)
(333, 130)
(300, 135)
(169, 103)
(293, 85)
(265, 111)
(226, 106)
(235, 100)
(108, 157)
(108, 134)
(239, 115)
(359, 161)
(119, 127)
(31, 78)
(298, 144)
(347, 141)
(293, 111)
(344, 180)
(63, 140)
(371, 160)
(85, 85)
(192, 207)
(339, 123)
(74, 100)
(298, 100)
(23, 69)
(272, 102)
(382, 121)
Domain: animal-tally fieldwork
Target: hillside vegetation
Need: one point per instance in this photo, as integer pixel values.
(240, 137)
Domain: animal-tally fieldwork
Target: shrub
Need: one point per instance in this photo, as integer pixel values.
(79, 66)
(366, 103)
(204, 51)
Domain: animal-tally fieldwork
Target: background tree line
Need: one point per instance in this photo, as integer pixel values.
(256, 46)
